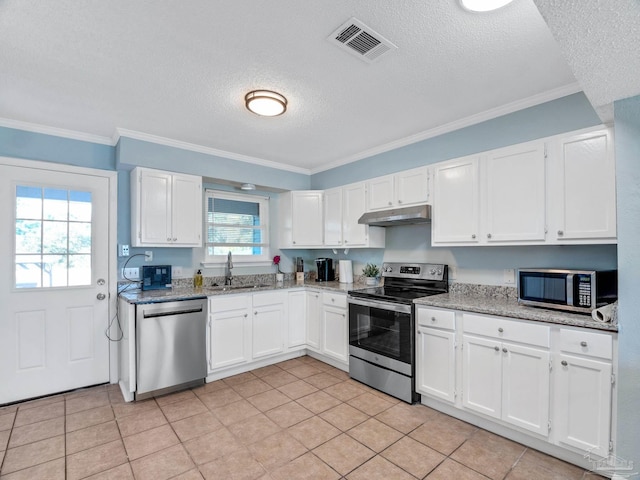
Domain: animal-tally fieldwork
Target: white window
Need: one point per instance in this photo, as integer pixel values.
(236, 223)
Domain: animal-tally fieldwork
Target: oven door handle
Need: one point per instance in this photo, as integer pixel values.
(395, 307)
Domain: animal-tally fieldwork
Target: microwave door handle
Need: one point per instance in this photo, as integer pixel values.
(570, 290)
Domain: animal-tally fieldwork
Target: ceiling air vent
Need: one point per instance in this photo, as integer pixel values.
(361, 41)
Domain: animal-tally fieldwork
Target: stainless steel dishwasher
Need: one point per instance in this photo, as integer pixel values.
(171, 346)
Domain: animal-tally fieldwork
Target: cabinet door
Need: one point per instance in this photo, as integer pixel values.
(229, 331)
(515, 194)
(334, 333)
(355, 204)
(525, 387)
(456, 202)
(154, 215)
(412, 187)
(380, 193)
(314, 319)
(269, 313)
(482, 375)
(333, 217)
(307, 220)
(587, 187)
(583, 403)
(186, 218)
(296, 316)
(435, 368)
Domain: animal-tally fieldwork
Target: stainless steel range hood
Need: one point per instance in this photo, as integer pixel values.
(397, 216)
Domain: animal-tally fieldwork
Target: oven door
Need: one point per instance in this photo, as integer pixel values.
(382, 333)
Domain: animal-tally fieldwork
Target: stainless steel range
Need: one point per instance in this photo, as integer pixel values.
(382, 326)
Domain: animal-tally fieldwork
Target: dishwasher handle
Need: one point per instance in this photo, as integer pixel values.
(171, 312)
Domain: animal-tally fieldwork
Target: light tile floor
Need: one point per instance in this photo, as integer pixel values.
(299, 419)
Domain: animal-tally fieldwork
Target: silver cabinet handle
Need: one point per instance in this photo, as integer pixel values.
(101, 296)
(564, 363)
(583, 344)
(488, 235)
(504, 350)
(473, 235)
(501, 329)
(497, 349)
(560, 233)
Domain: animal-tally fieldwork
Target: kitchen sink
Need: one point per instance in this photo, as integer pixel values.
(223, 288)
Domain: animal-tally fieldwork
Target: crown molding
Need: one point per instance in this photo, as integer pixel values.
(146, 137)
(56, 132)
(457, 125)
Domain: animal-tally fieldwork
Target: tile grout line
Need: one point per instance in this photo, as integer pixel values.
(516, 462)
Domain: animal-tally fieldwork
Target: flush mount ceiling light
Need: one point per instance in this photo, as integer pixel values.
(265, 103)
(483, 5)
(247, 186)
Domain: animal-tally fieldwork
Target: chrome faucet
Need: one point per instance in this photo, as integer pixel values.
(228, 276)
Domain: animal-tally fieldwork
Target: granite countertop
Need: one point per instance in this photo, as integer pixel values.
(509, 307)
(137, 296)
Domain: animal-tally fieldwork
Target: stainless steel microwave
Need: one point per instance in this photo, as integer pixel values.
(574, 290)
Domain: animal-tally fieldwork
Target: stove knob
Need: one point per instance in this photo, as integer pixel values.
(439, 271)
(388, 269)
(432, 271)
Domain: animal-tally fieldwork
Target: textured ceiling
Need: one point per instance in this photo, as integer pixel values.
(180, 70)
(601, 42)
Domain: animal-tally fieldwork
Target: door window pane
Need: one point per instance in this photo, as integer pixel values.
(53, 237)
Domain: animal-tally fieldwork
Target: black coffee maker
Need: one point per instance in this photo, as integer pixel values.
(325, 270)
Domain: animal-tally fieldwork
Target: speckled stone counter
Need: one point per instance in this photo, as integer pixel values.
(137, 296)
(502, 302)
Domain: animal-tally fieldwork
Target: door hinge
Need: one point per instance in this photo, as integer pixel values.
(140, 234)
(550, 365)
(545, 150)
(613, 379)
(611, 446)
(549, 426)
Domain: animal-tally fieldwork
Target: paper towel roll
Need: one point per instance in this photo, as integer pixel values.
(345, 271)
(603, 314)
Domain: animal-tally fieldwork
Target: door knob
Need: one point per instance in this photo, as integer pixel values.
(101, 296)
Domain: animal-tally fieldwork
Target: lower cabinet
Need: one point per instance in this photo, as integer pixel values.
(268, 327)
(296, 319)
(229, 331)
(314, 319)
(335, 328)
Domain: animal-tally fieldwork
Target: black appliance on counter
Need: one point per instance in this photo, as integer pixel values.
(325, 270)
(156, 277)
(382, 326)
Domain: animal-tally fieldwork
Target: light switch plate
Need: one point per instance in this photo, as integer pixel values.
(509, 276)
(453, 272)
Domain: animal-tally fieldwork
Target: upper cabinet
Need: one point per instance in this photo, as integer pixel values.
(166, 209)
(583, 188)
(553, 191)
(301, 219)
(410, 187)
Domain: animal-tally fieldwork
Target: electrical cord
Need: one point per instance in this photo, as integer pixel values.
(116, 317)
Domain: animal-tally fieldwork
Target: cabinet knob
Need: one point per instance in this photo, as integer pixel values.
(168, 239)
(294, 242)
(433, 319)
(583, 344)
(496, 348)
(175, 239)
(488, 235)
(399, 201)
(501, 329)
(560, 233)
(255, 313)
(246, 315)
(333, 299)
(390, 203)
(564, 363)
(473, 236)
(346, 241)
(504, 350)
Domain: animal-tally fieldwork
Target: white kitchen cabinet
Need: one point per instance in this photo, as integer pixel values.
(166, 209)
(583, 391)
(502, 378)
(513, 182)
(456, 201)
(333, 217)
(583, 188)
(314, 320)
(268, 323)
(229, 331)
(436, 353)
(406, 188)
(297, 318)
(301, 219)
(335, 328)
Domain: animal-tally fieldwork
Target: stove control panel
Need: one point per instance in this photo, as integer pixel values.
(422, 271)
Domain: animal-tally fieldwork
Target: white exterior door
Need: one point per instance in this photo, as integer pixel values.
(54, 289)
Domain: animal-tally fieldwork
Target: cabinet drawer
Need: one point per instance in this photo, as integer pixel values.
(509, 330)
(336, 299)
(429, 317)
(228, 302)
(269, 298)
(586, 343)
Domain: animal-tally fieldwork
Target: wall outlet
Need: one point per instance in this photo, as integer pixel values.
(131, 273)
(176, 272)
(148, 256)
(453, 272)
(509, 276)
(123, 250)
